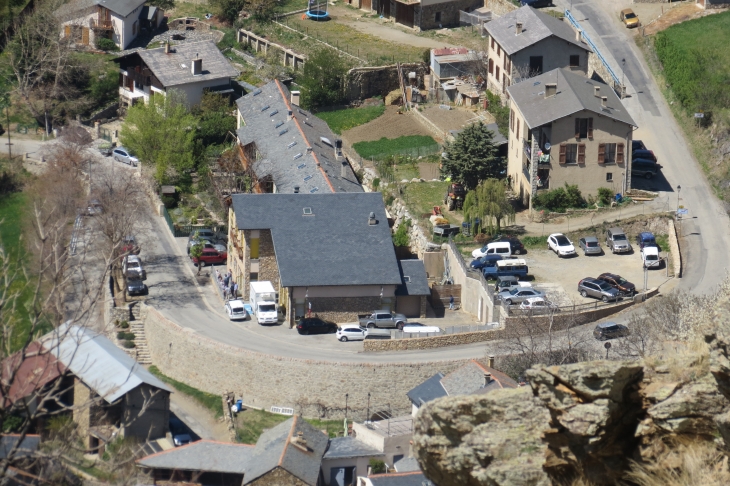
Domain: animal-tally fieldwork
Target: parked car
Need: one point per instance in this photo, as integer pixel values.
(489, 268)
(315, 325)
(610, 330)
(384, 319)
(484, 261)
(181, 439)
(235, 310)
(516, 267)
(645, 168)
(204, 234)
(561, 245)
(351, 332)
(121, 154)
(600, 289)
(135, 286)
(538, 305)
(537, 3)
(617, 240)
(220, 247)
(129, 245)
(590, 245)
(517, 295)
(643, 154)
(132, 267)
(515, 244)
(509, 282)
(210, 256)
(646, 238)
(629, 18)
(94, 207)
(503, 248)
(619, 283)
(637, 145)
(650, 257)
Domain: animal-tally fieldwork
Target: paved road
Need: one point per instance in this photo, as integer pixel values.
(707, 228)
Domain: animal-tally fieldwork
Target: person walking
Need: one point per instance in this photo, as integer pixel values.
(309, 309)
(451, 302)
(235, 290)
(230, 290)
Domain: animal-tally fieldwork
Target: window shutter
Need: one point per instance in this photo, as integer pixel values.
(590, 128)
(601, 152)
(581, 153)
(511, 120)
(619, 153)
(577, 128)
(562, 153)
(491, 66)
(518, 129)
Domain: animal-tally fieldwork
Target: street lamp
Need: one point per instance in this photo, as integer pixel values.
(679, 188)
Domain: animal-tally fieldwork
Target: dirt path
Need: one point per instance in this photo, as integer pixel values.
(389, 125)
(198, 418)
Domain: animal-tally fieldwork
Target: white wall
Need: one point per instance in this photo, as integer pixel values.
(474, 299)
(194, 91)
(124, 25)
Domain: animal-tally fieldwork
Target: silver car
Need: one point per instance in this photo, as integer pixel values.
(590, 245)
(121, 154)
(600, 289)
(617, 241)
(519, 294)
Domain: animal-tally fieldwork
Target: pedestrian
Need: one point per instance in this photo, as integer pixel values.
(235, 290)
(230, 290)
(226, 279)
(309, 311)
(451, 302)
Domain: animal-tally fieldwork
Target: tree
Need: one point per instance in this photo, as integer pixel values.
(162, 134)
(401, 237)
(228, 9)
(216, 120)
(196, 251)
(488, 203)
(322, 79)
(472, 157)
(163, 4)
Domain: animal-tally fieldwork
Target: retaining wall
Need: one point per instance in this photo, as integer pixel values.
(674, 249)
(432, 342)
(367, 82)
(263, 380)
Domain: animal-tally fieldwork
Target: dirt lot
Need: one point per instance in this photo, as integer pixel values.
(455, 118)
(669, 17)
(389, 125)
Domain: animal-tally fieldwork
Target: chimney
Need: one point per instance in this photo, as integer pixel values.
(578, 36)
(289, 115)
(197, 66)
(300, 442)
(597, 91)
(295, 98)
(604, 101)
(551, 89)
(167, 47)
(487, 378)
(371, 219)
(518, 28)
(343, 169)
(490, 361)
(296, 189)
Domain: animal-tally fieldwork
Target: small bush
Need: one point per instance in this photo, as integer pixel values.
(377, 467)
(534, 241)
(129, 344)
(560, 199)
(605, 195)
(388, 199)
(120, 335)
(106, 45)
(401, 237)
(376, 184)
(124, 324)
(169, 202)
(482, 238)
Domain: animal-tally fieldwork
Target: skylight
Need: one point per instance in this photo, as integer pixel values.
(265, 108)
(279, 124)
(312, 191)
(301, 166)
(273, 112)
(283, 131)
(307, 211)
(308, 177)
(291, 144)
(256, 92)
(297, 156)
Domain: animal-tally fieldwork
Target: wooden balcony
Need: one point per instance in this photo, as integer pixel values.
(102, 24)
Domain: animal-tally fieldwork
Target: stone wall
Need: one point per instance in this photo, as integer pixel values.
(474, 297)
(367, 82)
(264, 380)
(500, 7)
(372, 345)
(343, 309)
(596, 70)
(711, 4)
(674, 248)
(268, 268)
(419, 242)
(566, 319)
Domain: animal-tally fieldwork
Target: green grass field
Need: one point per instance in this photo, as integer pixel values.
(251, 423)
(341, 120)
(210, 401)
(414, 145)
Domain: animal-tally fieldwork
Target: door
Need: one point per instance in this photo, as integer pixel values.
(366, 5)
(85, 36)
(385, 8)
(409, 305)
(404, 14)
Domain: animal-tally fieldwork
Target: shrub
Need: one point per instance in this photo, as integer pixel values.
(388, 199)
(169, 202)
(376, 466)
(560, 199)
(124, 324)
(376, 184)
(129, 344)
(120, 335)
(106, 45)
(605, 195)
(401, 237)
(482, 238)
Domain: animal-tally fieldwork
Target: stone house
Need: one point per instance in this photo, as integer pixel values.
(87, 21)
(347, 458)
(470, 379)
(286, 149)
(192, 68)
(331, 250)
(565, 128)
(422, 14)
(527, 42)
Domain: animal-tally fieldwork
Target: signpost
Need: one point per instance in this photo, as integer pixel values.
(699, 116)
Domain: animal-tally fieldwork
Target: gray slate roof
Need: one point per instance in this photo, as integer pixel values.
(346, 447)
(407, 464)
(334, 245)
(498, 139)
(120, 7)
(98, 362)
(536, 26)
(430, 389)
(264, 112)
(274, 449)
(417, 283)
(203, 455)
(400, 479)
(168, 68)
(469, 379)
(27, 447)
(575, 93)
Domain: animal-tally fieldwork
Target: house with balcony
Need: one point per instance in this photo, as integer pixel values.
(191, 68)
(286, 149)
(333, 251)
(527, 42)
(565, 128)
(87, 21)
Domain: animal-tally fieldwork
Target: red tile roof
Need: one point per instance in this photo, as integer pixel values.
(449, 51)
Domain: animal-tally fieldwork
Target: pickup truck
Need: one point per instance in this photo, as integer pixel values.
(445, 231)
(384, 319)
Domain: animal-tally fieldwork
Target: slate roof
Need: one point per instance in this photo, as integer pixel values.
(203, 455)
(417, 283)
(469, 379)
(334, 245)
(498, 139)
(280, 140)
(536, 26)
(174, 69)
(407, 464)
(575, 93)
(347, 447)
(400, 479)
(28, 446)
(37, 369)
(430, 389)
(98, 362)
(121, 7)
(275, 449)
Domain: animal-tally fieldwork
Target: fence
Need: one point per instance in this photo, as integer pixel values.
(515, 310)
(588, 40)
(470, 328)
(410, 152)
(470, 19)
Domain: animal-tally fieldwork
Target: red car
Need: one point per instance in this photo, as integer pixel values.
(211, 256)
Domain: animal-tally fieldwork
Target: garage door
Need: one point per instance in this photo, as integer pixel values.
(409, 306)
(404, 14)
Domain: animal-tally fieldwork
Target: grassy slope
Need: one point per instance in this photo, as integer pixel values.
(388, 146)
(208, 400)
(341, 120)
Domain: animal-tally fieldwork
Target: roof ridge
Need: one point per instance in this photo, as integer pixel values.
(291, 431)
(406, 473)
(304, 136)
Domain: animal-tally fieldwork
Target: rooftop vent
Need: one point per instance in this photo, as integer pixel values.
(291, 145)
(283, 131)
(406, 279)
(371, 219)
(343, 169)
(604, 101)
(578, 36)
(197, 66)
(256, 92)
(536, 83)
(309, 150)
(487, 378)
(265, 108)
(289, 114)
(551, 89)
(296, 189)
(167, 47)
(306, 211)
(597, 91)
(279, 124)
(312, 191)
(297, 156)
(490, 361)
(326, 140)
(518, 28)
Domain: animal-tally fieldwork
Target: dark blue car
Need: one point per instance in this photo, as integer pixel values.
(537, 3)
(645, 239)
(487, 260)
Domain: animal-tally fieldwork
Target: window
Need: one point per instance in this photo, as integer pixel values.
(253, 276)
(518, 128)
(496, 73)
(609, 176)
(491, 66)
(505, 82)
(499, 50)
(135, 27)
(575, 61)
(535, 65)
(511, 120)
(568, 153)
(438, 17)
(584, 128)
(492, 39)
(606, 153)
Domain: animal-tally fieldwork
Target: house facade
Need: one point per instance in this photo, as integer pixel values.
(525, 43)
(191, 68)
(333, 251)
(87, 21)
(565, 128)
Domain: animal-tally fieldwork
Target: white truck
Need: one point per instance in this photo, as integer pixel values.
(263, 301)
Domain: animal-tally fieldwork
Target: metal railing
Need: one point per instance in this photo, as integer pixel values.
(588, 40)
(514, 310)
(75, 235)
(470, 272)
(471, 328)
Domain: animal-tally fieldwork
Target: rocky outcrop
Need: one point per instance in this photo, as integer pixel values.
(588, 420)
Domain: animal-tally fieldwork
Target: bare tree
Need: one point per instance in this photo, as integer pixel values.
(521, 72)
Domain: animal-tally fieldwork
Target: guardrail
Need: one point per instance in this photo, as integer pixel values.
(588, 40)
